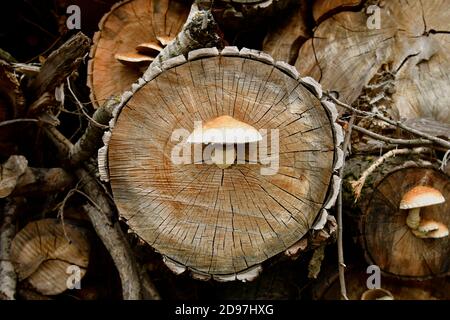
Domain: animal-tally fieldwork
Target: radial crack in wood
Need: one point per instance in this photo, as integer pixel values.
(128, 25)
(221, 221)
(45, 251)
(387, 239)
(391, 59)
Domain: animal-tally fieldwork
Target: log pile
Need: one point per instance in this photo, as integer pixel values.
(332, 153)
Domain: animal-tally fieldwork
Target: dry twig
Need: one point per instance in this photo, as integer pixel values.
(359, 184)
(341, 264)
(398, 124)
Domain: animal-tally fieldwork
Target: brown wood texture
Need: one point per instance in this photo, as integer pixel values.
(211, 220)
(11, 97)
(389, 242)
(41, 253)
(283, 41)
(59, 65)
(411, 44)
(322, 9)
(127, 25)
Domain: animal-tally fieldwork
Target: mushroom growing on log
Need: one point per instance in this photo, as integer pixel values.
(388, 240)
(222, 223)
(416, 198)
(377, 294)
(45, 250)
(128, 25)
(223, 132)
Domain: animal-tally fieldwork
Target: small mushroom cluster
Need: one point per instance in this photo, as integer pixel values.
(414, 200)
(144, 53)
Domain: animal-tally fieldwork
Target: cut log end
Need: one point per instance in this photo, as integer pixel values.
(401, 250)
(46, 253)
(237, 195)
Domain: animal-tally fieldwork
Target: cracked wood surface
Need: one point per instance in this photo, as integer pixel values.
(283, 41)
(211, 220)
(128, 24)
(412, 42)
(43, 251)
(389, 242)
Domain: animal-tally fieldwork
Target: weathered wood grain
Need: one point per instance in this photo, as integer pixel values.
(213, 221)
(389, 242)
(409, 48)
(58, 66)
(284, 39)
(128, 24)
(43, 250)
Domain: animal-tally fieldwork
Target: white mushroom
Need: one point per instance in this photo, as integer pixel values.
(223, 132)
(133, 59)
(377, 294)
(149, 48)
(431, 229)
(416, 198)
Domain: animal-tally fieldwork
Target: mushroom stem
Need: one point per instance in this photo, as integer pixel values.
(413, 219)
(223, 159)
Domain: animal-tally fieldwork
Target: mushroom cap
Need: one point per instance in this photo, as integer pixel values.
(223, 130)
(131, 58)
(431, 229)
(428, 225)
(421, 196)
(440, 232)
(377, 294)
(149, 48)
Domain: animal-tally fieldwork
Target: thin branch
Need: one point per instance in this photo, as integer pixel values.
(398, 124)
(410, 142)
(340, 245)
(359, 184)
(101, 215)
(91, 140)
(13, 121)
(445, 160)
(80, 106)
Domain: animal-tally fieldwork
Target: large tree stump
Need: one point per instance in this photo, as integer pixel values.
(389, 242)
(214, 221)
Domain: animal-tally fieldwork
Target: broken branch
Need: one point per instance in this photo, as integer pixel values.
(359, 184)
(398, 124)
(340, 245)
(404, 142)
